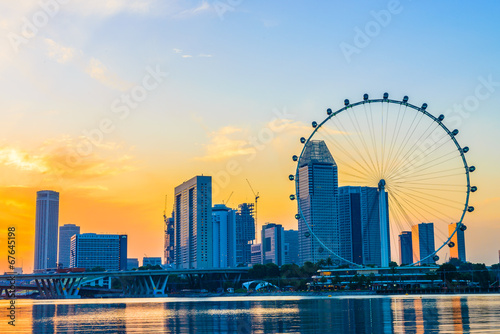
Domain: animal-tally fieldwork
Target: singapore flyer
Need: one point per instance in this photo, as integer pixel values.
(381, 180)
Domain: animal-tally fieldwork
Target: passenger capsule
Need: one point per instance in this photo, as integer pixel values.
(314, 124)
(465, 149)
(320, 249)
(307, 234)
(302, 140)
(405, 99)
(435, 258)
(454, 132)
(424, 106)
(329, 111)
(470, 208)
(472, 168)
(473, 189)
(292, 197)
(295, 158)
(297, 216)
(346, 102)
(441, 117)
(463, 227)
(291, 177)
(365, 97)
(451, 244)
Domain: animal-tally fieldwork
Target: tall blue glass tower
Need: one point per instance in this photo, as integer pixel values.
(46, 229)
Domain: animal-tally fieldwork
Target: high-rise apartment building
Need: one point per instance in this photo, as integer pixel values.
(318, 192)
(457, 251)
(423, 242)
(91, 250)
(291, 246)
(361, 226)
(132, 263)
(46, 228)
(273, 244)
(65, 233)
(223, 236)
(168, 253)
(193, 224)
(151, 261)
(245, 233)
(405, 248)
(256, 254)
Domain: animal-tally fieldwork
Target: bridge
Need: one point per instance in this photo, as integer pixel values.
(134, 283)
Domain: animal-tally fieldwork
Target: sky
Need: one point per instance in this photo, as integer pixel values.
(113, 103)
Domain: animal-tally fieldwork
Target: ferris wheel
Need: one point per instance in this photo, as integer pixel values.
(392, 150)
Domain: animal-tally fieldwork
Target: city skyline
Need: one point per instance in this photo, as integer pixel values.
(242, 87)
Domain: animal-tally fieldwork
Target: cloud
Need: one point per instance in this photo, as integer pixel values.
(58, 52)
(100, 72)
(203, 7)
(55, 160)
(187, 56)
(177, 50)
(223, 144)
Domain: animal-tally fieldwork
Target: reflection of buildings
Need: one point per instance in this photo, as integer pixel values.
(318, 191)
(47, 221)
(360, 225)
(193, 223)
(423, 242)
(90, 250)
(273, 244)
(65, 233)
(458, 251)
(405, 248)
(245, 233)
(223, 236)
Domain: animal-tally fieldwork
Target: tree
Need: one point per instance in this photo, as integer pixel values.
(258, 271)
(392, 264)
(448, 272)
(97, 269)
(272, 270)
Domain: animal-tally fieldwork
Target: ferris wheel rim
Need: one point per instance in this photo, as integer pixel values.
(404, 102)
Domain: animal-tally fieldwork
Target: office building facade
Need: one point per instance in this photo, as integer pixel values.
(273, 244)
(291, 246)
(46, 230)
(423, 242)
(90, 250)
(318, 194)
(193, 224)
(361, 226)
(132, 263)
(168, 253)
(151, 261)
(65, 233)
(405, 248)
(256, 254)
(223, 236)
(457, 251)
(245, 233)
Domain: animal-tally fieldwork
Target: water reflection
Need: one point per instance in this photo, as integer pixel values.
(401, 314)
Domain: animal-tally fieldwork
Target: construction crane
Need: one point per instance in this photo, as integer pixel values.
(256, 198)
(228, 198)
(165, 211)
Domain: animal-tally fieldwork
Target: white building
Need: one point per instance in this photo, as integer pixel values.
(65, 233)
(46, 228)
(273, 244)
(193, 224)
(223, 236)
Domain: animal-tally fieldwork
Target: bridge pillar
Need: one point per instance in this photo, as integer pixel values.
(58, 287)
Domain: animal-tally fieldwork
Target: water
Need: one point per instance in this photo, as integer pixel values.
(347, 314)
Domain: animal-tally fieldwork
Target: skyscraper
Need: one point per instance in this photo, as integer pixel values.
(65, 233)
(193, 224)
(318, 191)
(245, 233)
(168, 254)
(457, 251)
(291, 246)
(405, 248)
(361, 226)
(423, 242)
(273, 244)
(47, 221)
(223, 236)
(91, 250)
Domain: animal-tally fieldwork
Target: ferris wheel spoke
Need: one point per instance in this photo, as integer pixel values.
(434, 196)
(362, 138)
(407, 212)
(412, 176)
(442, 201)
(371, 127)
(395, 133)
(420, 167)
